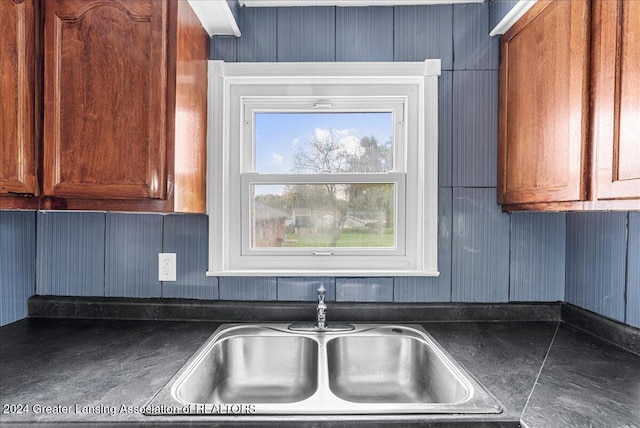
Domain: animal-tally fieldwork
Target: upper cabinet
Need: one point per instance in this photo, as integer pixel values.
(124, 106)
(18, 78)
(616, 98)
(570, 107)
(105, 99)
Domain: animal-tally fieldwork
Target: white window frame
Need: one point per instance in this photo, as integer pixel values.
(238, 90)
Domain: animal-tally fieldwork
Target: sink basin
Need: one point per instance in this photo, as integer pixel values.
(372, 369)
(390, 369)
(253, 369)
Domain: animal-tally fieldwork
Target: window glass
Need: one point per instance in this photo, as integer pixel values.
(353, 215)
(312, 142)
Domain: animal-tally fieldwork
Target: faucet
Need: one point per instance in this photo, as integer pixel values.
(321, 310)
(321, 319)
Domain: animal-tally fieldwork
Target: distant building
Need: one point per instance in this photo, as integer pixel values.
(268, 226)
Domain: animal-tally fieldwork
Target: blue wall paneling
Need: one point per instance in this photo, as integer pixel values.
(596, 262)
(364, 289)
(473, 48)
(70, 253)
(305, 288)
(480, 247)
(17, 263)
(132, 244)
(259, 32)
(536, 272)
(633, 270)
(445, 128)
(306, 34)
(432, 289)
(498, 9)
(475, 128)
(423, 32)
(248, 288)
(364, 34)
(187, 236)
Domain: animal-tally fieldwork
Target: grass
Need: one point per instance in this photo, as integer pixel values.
(373, 240)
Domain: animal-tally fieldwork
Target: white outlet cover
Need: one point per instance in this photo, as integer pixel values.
(167, 266)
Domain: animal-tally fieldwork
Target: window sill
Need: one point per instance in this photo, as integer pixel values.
(332, 272)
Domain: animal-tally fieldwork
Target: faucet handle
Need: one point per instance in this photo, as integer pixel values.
(321, 292)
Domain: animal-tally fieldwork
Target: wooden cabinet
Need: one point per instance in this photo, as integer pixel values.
(19, 127)
(616, 98)
(124, 111)
(105, 99)
(569, 117)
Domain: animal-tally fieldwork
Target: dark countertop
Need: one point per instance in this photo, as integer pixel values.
(545, 373)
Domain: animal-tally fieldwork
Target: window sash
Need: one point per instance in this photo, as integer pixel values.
(398, 179)
(328, 104)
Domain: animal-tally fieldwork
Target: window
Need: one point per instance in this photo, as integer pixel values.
(322, 168)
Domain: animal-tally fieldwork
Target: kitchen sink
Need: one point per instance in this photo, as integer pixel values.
(371, 369)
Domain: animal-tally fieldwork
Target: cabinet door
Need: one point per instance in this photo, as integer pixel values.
(544, 105)
(105, 98)
(616, 98)
(17, 86)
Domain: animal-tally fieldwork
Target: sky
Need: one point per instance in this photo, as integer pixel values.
(280, 135)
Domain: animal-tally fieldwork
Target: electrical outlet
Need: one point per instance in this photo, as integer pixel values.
(166, 266)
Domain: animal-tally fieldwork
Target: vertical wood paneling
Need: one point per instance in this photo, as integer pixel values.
(498, 9)
(633, 270)
(423, 32)
(473, 48)
(364, 34)
(306, 34)
(537, 259)
(70, 253)
(480, 247)
(305, 288)
(17, 263)
(430, 289)
(223, 48)
(445, 128)
(187, 236)
(132, 244)
(596, 262)
(364, 289)
(248, 288)
(475, 130)
(235, 7)
(259, 33)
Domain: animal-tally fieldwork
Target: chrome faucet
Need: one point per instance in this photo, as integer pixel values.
(321, 325)
(321, 310)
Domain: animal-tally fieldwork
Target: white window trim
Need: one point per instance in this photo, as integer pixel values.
(227, 81)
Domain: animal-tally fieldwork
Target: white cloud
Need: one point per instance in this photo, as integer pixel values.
(351, 145)
(295, 141)
(277, 158)
(322, 134)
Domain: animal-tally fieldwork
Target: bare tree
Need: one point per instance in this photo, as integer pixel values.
(328, 156)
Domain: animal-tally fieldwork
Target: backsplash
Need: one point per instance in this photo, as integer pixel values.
(484, 255)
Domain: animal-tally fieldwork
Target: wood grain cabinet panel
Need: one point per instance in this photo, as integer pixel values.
(542, 111)
(616, 98)
(18, 127)
(570, 107)
(105, 99)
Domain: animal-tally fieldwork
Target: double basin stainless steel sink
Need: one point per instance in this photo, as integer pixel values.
(371, 369)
